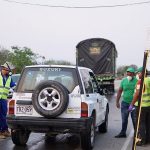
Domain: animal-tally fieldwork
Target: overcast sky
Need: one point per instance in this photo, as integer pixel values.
(54, 32)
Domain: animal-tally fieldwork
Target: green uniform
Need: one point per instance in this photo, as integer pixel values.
(128, 89)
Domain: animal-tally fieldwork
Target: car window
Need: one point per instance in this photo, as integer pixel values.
(94, 83)
(31, 77)
(87, 80)
(15, 77)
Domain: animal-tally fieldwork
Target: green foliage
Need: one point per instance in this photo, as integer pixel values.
(134, 66)
(4, 53)
(21, 57)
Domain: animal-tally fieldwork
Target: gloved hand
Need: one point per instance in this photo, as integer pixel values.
(11, 90)
(131, 107)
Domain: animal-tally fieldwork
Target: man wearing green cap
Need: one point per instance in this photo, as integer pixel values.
(127, 87)
(144, 127)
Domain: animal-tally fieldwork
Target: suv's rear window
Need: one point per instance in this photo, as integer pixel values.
(33, 76)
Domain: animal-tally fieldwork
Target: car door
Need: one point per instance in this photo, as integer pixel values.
(92, 95)
(100, 99)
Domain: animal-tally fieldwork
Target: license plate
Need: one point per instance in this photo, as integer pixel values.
(24, 109)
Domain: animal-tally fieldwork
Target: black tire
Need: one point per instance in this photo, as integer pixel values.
(103, 128)
(88, 138)
(73, 141)
(50, 138)
(60, 94)
(20, 137)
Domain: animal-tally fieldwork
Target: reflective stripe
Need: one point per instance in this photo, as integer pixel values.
(5, 88)
(146, 101)
(4, 94)
(146, 94)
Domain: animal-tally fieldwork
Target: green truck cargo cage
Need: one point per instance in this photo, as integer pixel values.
(99, 55)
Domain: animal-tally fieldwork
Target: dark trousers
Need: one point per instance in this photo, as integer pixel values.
(3, 113)
(144, 125)
(125, 114)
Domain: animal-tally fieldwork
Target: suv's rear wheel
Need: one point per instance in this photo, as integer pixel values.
(104, 126)
(50, 138)
(50, 98)
(88, 138)
(20, 137)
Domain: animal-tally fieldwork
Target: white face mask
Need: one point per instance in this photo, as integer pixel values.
(129, 78)
(137, 77)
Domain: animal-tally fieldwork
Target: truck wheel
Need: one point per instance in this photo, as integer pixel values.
(88, 138)
(20, 137)
(104, 126)
(50, 99)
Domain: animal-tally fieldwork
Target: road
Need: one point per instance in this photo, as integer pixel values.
(103, 141)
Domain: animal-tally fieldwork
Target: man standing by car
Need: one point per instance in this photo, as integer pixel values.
(127, 87)
(5, 84)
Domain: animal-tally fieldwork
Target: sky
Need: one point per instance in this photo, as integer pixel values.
(54, 32)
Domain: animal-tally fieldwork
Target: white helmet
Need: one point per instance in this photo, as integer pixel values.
(8, 65)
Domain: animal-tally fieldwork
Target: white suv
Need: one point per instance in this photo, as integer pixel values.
(56, 99)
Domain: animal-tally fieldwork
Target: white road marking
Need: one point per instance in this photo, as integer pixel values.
(126, 143)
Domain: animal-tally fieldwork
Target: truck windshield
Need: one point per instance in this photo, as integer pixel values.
(31, 77)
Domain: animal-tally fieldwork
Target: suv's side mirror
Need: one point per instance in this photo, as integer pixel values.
(101, 91)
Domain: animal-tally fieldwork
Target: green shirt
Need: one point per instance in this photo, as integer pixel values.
(128, 89)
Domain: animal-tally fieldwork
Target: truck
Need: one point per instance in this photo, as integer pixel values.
(100, 55)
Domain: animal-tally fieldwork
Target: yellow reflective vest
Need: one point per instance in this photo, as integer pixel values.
(146, 94)
(4, 89)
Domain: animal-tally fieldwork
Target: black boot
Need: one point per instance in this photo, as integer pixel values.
(121, 135)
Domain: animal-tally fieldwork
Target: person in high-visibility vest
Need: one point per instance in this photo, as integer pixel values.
(144, 126)
(5, 84)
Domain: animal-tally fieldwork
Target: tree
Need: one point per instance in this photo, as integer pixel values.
(121, 70)
(4, 53)
(134, 66)
(21, 57)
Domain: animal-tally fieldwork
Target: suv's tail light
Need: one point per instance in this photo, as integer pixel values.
(84, 109)
(11, 107)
